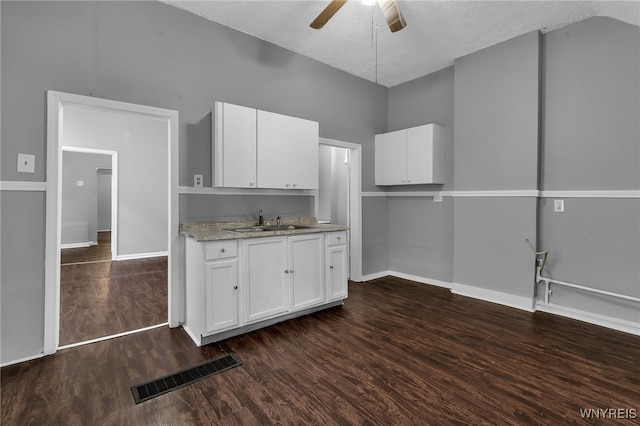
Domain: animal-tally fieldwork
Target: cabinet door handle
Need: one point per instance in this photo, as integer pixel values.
(251, 183)
(331, 267)
(339, 238)
(294, 185)
(221, 250)
(235, 287)
(286, 271)
(291, 271)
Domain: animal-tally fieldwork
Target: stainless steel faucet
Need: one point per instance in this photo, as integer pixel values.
(260, 218)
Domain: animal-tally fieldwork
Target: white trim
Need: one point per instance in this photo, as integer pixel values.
(375, 276)
(15, 185)
(422, 280)
(113, 336)
(592, 318)
(590, 194)
(25, 359)
(78, 245)
(56, 101)
(243, 191)
(502, 193)
(142, 255)
(508, 193)
(519, 302)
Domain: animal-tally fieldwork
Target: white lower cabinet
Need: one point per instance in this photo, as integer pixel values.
(337, 270)
(265, 289)
(235, 286)
(306, 272)
(212, 288)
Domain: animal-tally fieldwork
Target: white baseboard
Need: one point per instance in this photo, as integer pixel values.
(141, 255)
(18, 361)
(519, 302)
(375, 275)
(592, 318)
(423, 280)
(78, 245)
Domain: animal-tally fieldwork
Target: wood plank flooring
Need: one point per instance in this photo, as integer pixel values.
(396, 353)
(99, 297)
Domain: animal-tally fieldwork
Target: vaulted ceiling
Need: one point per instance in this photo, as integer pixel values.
(357, 40)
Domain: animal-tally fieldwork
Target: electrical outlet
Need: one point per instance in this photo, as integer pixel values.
(558, 206)
(79, 183)
(26, 163)
(437, 198)
(197, 181)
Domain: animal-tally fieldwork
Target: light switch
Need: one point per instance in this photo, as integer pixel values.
(558, 206)
(26, 163)
(197, 181)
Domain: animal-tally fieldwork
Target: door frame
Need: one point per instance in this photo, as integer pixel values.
(114, 191)
(56, 101)
(355, 204)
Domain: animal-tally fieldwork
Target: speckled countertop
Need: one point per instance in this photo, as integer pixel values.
(215, 231)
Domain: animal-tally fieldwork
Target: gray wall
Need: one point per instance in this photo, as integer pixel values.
(496, 130)
(591, 142)
(80, 203)
(153, 54)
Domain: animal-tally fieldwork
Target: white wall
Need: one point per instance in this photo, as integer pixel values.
(142, 148)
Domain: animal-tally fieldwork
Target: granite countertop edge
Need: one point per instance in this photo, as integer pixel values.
(218, 231)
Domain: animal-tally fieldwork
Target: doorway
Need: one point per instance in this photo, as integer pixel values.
(146, 209)
(338, 199)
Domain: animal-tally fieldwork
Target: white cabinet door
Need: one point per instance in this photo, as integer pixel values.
(234, 153)
(306, 272)
(221, 295)
(391, 158)
(419, 155)
(304, 155)
(265, 284)
(337, 280)
(288, 155)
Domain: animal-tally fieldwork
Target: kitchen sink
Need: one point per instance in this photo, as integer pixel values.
(251, 229)
(287, 227)
(271, 228)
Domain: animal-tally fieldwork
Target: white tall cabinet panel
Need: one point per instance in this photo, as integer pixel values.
(235, 150)
(288, 156)
(306, 274)
(265, 283)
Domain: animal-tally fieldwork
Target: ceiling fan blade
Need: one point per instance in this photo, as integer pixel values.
(327, 13)
(392, 14)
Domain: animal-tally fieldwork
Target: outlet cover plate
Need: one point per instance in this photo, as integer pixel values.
(558, 206)
(26, 163)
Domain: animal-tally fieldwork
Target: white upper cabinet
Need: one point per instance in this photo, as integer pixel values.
(288, 156)
(259, 149)
(410, 156)
(234, 146)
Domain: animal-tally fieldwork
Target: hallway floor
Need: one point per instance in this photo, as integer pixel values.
(100, 297)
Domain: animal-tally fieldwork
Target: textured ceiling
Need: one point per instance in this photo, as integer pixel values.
(357, 40)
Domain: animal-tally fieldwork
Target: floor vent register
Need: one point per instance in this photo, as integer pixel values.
(146, 391)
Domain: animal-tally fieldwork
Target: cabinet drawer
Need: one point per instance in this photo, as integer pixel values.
(220, 250)
(336, 238)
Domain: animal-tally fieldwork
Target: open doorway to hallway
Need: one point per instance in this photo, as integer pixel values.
(100, 296)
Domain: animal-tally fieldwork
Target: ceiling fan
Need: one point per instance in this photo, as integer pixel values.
(390, 10)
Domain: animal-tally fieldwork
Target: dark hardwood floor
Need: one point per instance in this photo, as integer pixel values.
(396, 353)
(100, 298)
